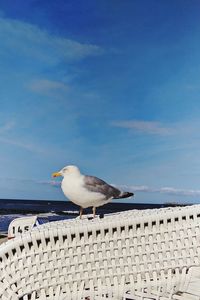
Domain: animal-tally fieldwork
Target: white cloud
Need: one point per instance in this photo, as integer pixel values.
(43, 182)
(180, 192)
(163, 190)
(50, 182)
(7, 126)
(142, 188)
(45, 86)
(31, 41)
(193, 87)
(25, 145)
(148, 127)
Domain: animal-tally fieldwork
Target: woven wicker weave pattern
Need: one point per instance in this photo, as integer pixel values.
(150, 254)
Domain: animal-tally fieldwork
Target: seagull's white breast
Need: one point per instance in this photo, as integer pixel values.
(73, 188)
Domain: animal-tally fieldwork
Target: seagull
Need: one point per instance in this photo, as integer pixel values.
(87, 191)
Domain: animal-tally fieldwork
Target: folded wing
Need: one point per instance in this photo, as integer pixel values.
(94, 184)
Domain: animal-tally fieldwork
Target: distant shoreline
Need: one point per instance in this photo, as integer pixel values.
(23, 206)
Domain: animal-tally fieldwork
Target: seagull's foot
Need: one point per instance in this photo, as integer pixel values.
(94, 211)
(81, 212)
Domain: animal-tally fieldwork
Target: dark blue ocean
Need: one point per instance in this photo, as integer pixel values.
(48, 211)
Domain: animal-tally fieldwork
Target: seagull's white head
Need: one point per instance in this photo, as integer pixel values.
(67, 171)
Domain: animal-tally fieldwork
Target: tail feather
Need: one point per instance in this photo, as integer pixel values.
(125, 195)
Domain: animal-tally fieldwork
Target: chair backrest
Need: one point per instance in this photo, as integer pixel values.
(151, 254)
(21, 225)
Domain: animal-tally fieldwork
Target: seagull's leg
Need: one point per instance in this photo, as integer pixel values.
(81, 212)
(94, 211)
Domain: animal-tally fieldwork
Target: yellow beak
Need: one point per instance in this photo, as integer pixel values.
(56, 174)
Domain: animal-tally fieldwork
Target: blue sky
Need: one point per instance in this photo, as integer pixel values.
(110, 86)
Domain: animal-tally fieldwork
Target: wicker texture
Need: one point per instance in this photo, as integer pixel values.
(149, 254)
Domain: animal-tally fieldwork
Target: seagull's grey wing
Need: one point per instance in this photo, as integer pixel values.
(97, 185)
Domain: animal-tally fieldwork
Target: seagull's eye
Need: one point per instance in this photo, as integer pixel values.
(65, 169)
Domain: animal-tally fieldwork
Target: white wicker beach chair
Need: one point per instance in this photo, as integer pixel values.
(150, 254)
